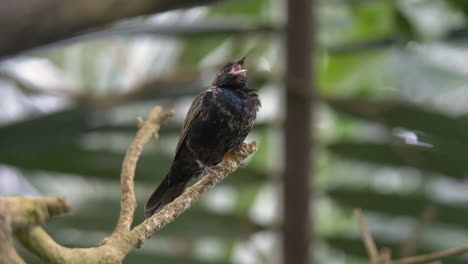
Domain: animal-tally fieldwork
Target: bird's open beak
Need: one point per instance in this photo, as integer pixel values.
(237, 69)
(241, 61)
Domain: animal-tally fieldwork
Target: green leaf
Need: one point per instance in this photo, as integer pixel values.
(451, 161)
(152, 167)
(45, 131)
(399, 205)
(352, 73)
(210, 31)
(404, 27)
(461, 4)
(252, 8)
(75, 160)
(372, 20)
(399, 114)
(198, 47)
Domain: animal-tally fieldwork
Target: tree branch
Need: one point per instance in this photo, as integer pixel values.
(385, 257)
(8, 254)
(30, 212)
(31, 23)
(432, 256)
(367, 237)
(410, 246)
(192, 194)
(21, 213)
(127, 197)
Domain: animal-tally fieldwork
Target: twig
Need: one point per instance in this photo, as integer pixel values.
(385, 256)
(375, 258)
(409, 247)
(432, 256)
(127, 197)
(366, 236)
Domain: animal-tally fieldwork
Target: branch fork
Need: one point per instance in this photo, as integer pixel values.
(384, 257)
(22, 217)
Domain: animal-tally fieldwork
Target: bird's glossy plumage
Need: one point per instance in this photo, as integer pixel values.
(219, 120)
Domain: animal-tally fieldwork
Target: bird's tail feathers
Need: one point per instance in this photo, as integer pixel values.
(164, 194)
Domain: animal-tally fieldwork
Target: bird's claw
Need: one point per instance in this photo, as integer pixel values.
(208, 169)
(211, 170)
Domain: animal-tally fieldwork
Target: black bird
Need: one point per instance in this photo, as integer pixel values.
(217, 122)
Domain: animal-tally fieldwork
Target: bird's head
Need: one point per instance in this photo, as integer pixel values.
(231, 75)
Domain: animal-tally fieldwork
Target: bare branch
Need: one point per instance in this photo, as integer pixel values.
(30, 211)
(8, 254)
(114, 248)
(385, 257)
(366, 236)
(409, 247)
(21, 213)
(127, 200)
(171, 211)
(42, 245)
(432, 256)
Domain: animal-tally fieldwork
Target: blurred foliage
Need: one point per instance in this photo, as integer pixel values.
(392, 126)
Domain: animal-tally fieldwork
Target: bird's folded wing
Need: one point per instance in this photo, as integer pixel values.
(193, 112)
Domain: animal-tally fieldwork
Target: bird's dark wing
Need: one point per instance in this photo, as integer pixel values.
(192, 113)
(235, 140)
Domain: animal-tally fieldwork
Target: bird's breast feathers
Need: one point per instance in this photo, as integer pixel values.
(230, 100)
(235, 102)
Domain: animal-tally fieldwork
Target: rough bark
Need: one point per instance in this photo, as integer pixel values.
(18, 214)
